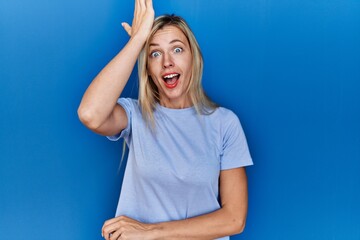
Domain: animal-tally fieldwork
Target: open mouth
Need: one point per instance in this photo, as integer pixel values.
(171, 79)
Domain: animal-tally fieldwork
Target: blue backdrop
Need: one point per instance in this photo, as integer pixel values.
(289, 69)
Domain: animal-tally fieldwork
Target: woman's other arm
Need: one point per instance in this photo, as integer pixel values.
(98, 109)
(228, 220)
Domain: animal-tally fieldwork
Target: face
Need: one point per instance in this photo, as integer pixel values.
(169, 65)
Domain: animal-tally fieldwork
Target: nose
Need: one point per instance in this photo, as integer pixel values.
(167, 61)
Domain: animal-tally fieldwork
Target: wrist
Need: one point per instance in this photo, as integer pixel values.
(156, 231)
(138, 39)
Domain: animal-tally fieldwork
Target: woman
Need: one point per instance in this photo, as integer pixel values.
(185, 153)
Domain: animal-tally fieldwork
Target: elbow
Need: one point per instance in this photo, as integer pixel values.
(88, 118)
(237, 226)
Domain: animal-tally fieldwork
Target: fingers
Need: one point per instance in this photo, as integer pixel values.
(148, 4)
(115, 235)
(142, 4)
(127, 28)
(142, 21)
(111, 232)
(123, 227)
(105, 231)
(137, 8)
(112, 227)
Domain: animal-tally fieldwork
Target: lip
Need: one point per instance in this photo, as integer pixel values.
(169, 73)
(173, 85)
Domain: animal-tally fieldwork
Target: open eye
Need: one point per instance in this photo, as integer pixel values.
(178, 50)
(155, 54)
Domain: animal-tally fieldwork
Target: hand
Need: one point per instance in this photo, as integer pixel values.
(143, 19)
(126, 228)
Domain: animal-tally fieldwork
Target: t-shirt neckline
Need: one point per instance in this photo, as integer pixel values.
(175, 110)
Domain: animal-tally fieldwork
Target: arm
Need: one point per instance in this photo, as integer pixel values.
(98, 109)
(228, 220)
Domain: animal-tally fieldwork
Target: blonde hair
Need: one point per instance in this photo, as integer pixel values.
(148, 92)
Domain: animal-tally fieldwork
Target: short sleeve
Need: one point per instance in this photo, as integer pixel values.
(127, 104)
(235, 152)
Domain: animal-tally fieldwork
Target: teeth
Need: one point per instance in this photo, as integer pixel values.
(171, 75)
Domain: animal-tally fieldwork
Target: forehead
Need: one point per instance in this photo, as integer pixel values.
(167, 34)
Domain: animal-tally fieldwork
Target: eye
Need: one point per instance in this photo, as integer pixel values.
(178, 50)
(155, 54)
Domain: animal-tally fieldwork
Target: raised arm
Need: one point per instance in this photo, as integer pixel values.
(228, 220)
(98, 109)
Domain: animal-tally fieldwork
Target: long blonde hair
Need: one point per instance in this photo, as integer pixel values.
(148, 92)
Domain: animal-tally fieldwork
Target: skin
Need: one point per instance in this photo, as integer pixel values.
(170, 52)
(100, 113)
(228, 220)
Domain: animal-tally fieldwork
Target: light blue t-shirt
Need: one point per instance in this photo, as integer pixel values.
(172, 171)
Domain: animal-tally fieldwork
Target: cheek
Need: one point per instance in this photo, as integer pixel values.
(153, 68)
(153, 78)
(188, 62)
(156, 82)
(150, 70)
(188, 67)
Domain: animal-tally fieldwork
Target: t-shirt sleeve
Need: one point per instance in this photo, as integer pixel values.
(235, 152)
(128, 105)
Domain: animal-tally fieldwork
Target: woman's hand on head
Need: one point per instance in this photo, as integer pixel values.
(126, 228)
(143, 19)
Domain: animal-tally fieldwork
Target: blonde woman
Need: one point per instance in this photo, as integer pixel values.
(185, 175)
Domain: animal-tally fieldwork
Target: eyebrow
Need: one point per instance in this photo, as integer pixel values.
(171, 42)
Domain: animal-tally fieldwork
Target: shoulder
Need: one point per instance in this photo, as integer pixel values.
(227, 121)
(129, 104)
(128, 101)
(225, 115)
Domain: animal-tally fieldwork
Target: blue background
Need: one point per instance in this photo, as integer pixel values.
(289, 69)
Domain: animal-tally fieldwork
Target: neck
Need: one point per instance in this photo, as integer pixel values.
(176, 104)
